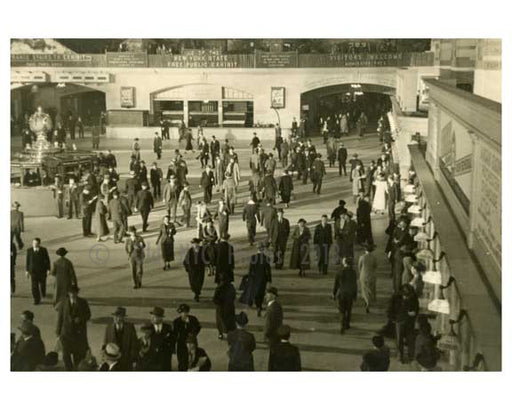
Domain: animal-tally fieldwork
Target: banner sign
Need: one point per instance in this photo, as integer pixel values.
(127, 59)
(277, 60)
(354, 60)
(202, 60)
(128, 97)
(51, 60)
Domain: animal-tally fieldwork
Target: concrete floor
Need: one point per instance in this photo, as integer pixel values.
(105, 279)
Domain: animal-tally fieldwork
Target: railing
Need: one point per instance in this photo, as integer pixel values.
(216, 60)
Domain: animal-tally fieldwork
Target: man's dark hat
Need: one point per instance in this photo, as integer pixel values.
(283, 332)
(195, 240)
(120, 311)
(183, 308)
(301, 220)
(341, 202)
(157, 311)
(51, 359)
(61, 251)
(28, 314)
(242, 319)
(74, 289)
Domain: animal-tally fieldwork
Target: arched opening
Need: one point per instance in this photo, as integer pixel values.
(64, 102)
(352, 98)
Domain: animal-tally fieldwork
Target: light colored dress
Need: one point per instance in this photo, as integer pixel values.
(379, 200)
(367, 277)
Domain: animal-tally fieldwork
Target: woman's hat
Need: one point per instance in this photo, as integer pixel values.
(61, 251)
(112, 351)
(241, 319)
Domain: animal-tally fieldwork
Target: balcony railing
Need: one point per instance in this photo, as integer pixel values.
(215, 60)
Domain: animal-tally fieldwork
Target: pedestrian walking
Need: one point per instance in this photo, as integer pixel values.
(171, 197)
(73, 313)
(206, 184)
(376, 359)
(364, 220)
(194, 264)
(367, 267)
(183, 326)
(300, 248)
(134, 247)
(122, 334)
(322, 241)
(166, 239)
(117, 212)
(225, 260)
(162, 340)
(64, 274)
(284, 357)
(273, 317)
(224, 300)
(345, 292)
(156, 176)
(251, 216)
(100, 218)
(37, 266)
(144, 204)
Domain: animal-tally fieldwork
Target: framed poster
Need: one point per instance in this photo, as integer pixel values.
(277, 97)
(127, 97)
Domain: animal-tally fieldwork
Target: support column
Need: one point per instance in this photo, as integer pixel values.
(185, 112)
(221, 113)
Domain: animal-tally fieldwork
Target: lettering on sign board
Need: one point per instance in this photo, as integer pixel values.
(127, 97)
(126, 59)
(277, 97)
(488, 202)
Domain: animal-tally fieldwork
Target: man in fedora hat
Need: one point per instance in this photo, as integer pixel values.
(284, 357)
(147, 356)
(273, 317)
(198, 360)
(224, 300)
(73, 315)
(185, 203)
(241, 345)
(124, 335)
(185, 324)
(322, 240)
(64, 275)
(225, 259)
(342, 159)
(37, 267)
(132, 187)
(144, 203)
(171, 197)
(345, 291)
(134, 247)
(280, 238)
(111, 358)
(194, 263)
(29, 350)
(17, 224)
(162, 340)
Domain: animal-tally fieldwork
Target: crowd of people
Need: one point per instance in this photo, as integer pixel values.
(96, 196)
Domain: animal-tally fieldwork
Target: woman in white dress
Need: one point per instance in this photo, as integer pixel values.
(381, 188)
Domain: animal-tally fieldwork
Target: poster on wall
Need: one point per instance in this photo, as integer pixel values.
(127, 97)
(277, 97)
(456, 158)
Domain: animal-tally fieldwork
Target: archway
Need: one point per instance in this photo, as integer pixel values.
(352, 98)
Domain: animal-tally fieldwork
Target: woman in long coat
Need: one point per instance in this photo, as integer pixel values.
(209, 237)
(224, 299)
(368, 276)
(300, 248)
(166, 239)
(194, 265)
(260, 274)
(100, 219)
(64, 274)
(364, 221)
(286, 187)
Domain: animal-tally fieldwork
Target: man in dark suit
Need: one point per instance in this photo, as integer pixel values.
(112, 358)
(273, 317)
(185, 324)
(214, 147)
(241, 345)
(206, 183)
(345, 291)
(124, 335)
(17, 224)
(342, 159)
(132, 187)
(38, 267)
(284, 357)
(225, 259)
(144, 204)
(322, 240)
(282, 232)
(29, 350)
(73, 315)
(224, 300)
(87, 204)
(317, 173)
(354, 162)
(162, 339)
(156, 176)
